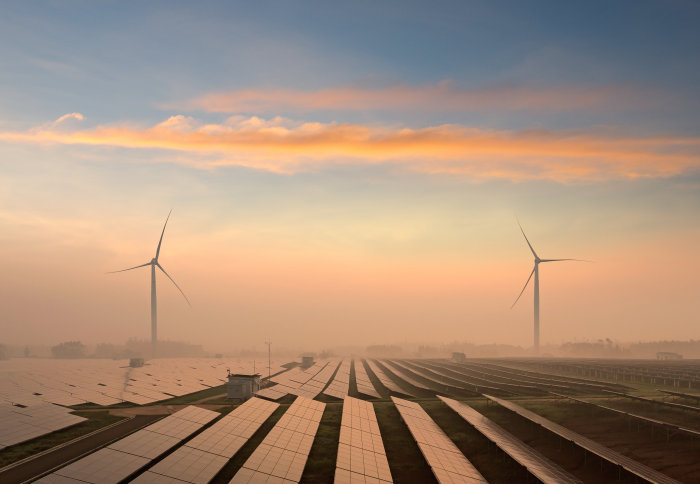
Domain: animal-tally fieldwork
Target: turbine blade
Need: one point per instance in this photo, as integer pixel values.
(523, 290)
(528, 242)
(161, 234)
(559, 260)
(173, 281)
(130, 268)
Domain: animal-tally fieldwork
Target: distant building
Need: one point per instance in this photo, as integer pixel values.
(242, 387)
(668, 355)
(458, 357)
(136, 362)
(307, 360)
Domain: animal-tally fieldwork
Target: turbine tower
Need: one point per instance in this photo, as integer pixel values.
(154, 298)
(536, 272)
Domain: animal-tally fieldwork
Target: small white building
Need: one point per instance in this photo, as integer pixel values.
(307, 360)
(458, 357)
(242, 387)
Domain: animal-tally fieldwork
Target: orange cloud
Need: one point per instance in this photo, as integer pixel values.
(443, 96)
(283, 146)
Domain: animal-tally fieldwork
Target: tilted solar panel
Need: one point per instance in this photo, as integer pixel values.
(364, 384)
(282, 455)
(126, 456)
(631, 465)
(535, 463)
(361, 455)
(390, 384)
(447, 462)
(201, 458)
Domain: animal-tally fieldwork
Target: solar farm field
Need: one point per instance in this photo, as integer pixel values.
(348, 420)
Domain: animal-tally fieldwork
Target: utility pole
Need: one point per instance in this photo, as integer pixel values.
(269, 344)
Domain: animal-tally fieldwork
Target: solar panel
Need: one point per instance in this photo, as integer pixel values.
(126, 456)
(201, 458)
(535, 463)
(341, 382)
(32, 381)
(145, 443)
(56, 479)
(149, 477)
(386, 380)
(174, 427)
(256, 477)
(283, 453)
(19, 424)
(402, 371)
(191, 465)
(305, 383)
(448, 464)
(106, 466)
(364, 384)
(361, 454)
(630, 465)
(449, 375)
(274, 393)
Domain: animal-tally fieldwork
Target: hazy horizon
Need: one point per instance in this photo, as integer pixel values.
(349, 175)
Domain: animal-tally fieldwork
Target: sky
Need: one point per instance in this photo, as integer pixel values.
(349, 174)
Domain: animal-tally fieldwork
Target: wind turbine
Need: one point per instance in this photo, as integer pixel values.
(536, 272)
(154, 299)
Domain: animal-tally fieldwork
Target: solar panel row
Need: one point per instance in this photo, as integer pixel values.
(677, 373)
(314, 386)
(443, 381)
(364, 384)
(120, 459)
(446, 461)
(667, 425)
(282, 455)
(514, 377)
(201, 458)
(482, 381)
(361, 455)
(403, 372)
(536, 464)
(305, 383)
(30, 381)
(632, 466)
(662, 403)
(340, 385)
(18, 424)
(455, 379)
(386, 380)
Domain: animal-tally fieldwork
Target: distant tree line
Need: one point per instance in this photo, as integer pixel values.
(69, 349)
(607, 348)
(133, 348)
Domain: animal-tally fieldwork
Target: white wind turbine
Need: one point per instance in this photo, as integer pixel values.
(536, 272)
(154, 300)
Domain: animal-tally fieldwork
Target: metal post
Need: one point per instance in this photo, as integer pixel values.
(269, 344)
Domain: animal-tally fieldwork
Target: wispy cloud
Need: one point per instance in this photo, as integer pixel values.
(444, 96)
(285, 146)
